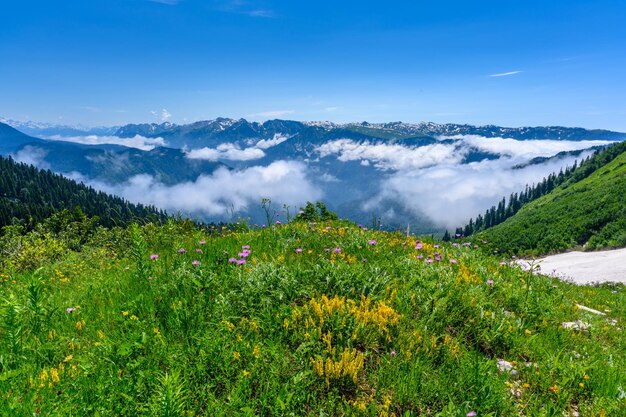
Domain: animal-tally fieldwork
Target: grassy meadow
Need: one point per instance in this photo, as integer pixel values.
(299, 319)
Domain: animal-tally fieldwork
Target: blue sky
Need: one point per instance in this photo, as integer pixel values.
(512, 63)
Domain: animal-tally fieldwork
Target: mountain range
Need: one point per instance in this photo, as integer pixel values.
(363, 170)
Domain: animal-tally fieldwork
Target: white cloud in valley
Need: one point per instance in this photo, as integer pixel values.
(226, 151)
(223, 191)
(139, 142)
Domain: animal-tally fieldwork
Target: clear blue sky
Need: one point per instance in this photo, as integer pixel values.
(103, 62)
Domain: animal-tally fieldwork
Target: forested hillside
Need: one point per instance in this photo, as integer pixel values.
(587, 209)
(29, 195)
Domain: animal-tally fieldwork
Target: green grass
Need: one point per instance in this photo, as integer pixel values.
(370, 330)
(590, 213)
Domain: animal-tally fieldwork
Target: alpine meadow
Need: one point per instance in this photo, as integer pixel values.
(273, 208)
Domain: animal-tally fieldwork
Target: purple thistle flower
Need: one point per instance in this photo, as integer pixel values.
(241, 262)
(232, 260)
(327, 250)
(181, 250)
(455, 244)
(429, 261)
(154, 256)
(452, 261)
(337, 249)
(195, 263)
(202, 242)
(393, 353)
(436, 246)
(365, 228)
(278, 222)
(457, 235)
(372, 242)
(70, 310)
(471, 414)
(420, 256)
(298, 250)
(244, 247)
(418, 246)
(503, 263)
(489, 282)
(328, 227)
(198, 250)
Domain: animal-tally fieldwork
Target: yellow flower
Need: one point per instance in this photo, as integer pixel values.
(236, 356)
(100, 334)
(257, 351)
(245, 373)
(54, 375)
(124, 313)
(68, 358)
(133, 317)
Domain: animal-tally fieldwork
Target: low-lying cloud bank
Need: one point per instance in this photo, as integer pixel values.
(452, 194)
(139, 142)
(224, 192)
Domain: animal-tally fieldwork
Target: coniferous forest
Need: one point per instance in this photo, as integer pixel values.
(29, 195)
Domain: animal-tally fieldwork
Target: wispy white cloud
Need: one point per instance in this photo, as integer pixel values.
(162, 116)
(272, 113)
(244, 7)
(505, 74)
(168, 2)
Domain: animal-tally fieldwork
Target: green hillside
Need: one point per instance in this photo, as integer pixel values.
(588, 210)
(302, 319)
(29, 195)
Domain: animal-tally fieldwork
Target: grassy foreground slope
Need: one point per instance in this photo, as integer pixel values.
(589, 212)
(320, 319)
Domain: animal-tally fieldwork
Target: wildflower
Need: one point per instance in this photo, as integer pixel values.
(503, 263)
(554, 389)
(298, 250)
(69, 310)
(198, 250)
(455, 244)
(154, 256)
(372, 242)
(436, 246)
(337, 249)
(489, 282)
(278, 222)
(418, 246)
(452, 261)
(363, 260)
(457, 235)
(195, 263)
(236, 356)
(232, 260)
(471, 414)
(124, 313)
(181, 250)
(327, 250)
(328, 227)
(134, 318)
(241, 262)
(245, 373)
(420, 256)
(202, 242)
(429, 261)
(244, 247)
(393, 353)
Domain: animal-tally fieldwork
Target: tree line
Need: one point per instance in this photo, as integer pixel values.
(29, 195)
(507, 208)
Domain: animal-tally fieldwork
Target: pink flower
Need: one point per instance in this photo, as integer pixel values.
(337, 249)
(232, 260)
(154, 256)
(429, 261)
(393, 353)
(503, 263)
(278, 222)
(452, 261)
(298, 250)
(435, 246)
(202, 242)
(489, 282)
(471, 414)
(241, 262)
(328, 227)
(195, 263)
(181, 250)
(69, 310)
(198, 250)
(418, 246)
(372, 242)
(245, 247)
